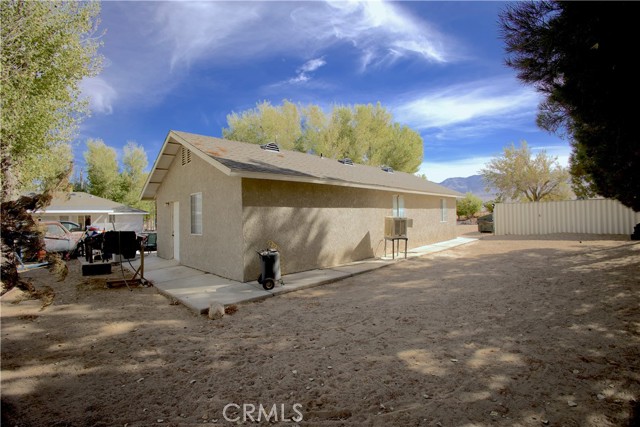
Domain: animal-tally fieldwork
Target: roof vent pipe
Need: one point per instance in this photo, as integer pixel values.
(272, 146)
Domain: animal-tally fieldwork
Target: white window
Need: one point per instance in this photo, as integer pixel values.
(398, 206)
(443, 210)
(196, 213)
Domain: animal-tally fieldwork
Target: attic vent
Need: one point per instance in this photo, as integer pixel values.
(346, 161)
(387, 169)
(272, 146)
(186, 155)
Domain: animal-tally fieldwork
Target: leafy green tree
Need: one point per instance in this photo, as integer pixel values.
(469, 206)
(517, 175)
(490, 205)
(42, 170)
(366, 134)
(46, 50)
(133, 176)
(102, 170)
(121, 184)
(265, 124)
(580, 56)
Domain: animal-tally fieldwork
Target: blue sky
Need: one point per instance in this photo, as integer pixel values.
(437, 66)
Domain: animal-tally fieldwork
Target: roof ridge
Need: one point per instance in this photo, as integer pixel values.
(248, 160)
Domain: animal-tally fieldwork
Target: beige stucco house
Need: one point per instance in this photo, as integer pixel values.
(219, 201)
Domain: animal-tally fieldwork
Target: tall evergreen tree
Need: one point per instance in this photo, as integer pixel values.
(580, 55)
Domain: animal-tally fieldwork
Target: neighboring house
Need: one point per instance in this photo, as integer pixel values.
(85, 208)
(220, 201)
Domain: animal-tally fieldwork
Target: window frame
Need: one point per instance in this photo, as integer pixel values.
(195, 214)
(398, 208)
(443, 210)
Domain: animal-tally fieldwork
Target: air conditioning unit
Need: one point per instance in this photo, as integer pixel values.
(396, 226)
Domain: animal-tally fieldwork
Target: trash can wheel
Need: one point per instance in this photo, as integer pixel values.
(268, 284)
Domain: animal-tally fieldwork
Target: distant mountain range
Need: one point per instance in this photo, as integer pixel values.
(474, 184)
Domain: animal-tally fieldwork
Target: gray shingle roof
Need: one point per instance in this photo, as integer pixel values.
(249, 160)
(78, 201)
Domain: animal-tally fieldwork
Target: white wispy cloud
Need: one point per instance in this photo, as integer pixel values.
(148, 61)
(303, 72)
(312, 65)
(100, 94)
(382, 31)
(467, 109)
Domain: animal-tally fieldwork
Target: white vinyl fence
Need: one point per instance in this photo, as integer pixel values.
(597, 216)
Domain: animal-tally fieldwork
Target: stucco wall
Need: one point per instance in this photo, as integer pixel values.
(428, 226)
(320, 225)
(219, 249)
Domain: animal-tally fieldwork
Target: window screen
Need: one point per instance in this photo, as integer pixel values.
(196, 213)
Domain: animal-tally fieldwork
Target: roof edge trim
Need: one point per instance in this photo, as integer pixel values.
(173, 137)
(289, 178)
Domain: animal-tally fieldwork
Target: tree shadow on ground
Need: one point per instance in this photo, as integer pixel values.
(479, 335)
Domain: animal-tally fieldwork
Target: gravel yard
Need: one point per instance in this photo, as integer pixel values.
(506, 331)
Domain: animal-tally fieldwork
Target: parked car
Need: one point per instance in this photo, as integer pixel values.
(57, 238)
(76, 229)
(71, 226)
(485, 224)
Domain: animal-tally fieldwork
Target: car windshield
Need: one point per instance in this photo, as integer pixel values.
(55, 230)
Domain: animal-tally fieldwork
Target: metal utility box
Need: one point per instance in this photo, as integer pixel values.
(396, 226)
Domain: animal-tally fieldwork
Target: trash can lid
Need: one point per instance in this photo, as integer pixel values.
(268, 251)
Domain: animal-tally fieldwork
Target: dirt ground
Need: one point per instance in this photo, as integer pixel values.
(500, 332)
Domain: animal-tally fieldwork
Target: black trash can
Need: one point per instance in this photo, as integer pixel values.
(269, 267)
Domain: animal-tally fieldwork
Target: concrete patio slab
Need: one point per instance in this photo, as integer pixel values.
(198, 292)
(197, 289)
(308, 279)
(170, 274)
(362, 266)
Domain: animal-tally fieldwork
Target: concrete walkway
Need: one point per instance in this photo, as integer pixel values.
(197, 289)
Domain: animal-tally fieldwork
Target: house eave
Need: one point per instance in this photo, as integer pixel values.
(155, 178)
(289, 178)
